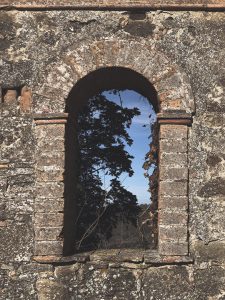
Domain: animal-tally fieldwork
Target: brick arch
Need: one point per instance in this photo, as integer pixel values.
(173, 94)
(170, 82)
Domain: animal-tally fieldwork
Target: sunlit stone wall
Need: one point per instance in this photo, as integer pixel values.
(182, 54)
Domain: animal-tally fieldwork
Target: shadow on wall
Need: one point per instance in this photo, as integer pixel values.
(113, 78)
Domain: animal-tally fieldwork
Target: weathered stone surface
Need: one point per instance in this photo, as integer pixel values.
(214, 251)
(53, 131)
(213, 187)
(54, 144)
(173, 160)
(174, 146)
(173, 132)
(47, 234)
(50, 289)
(48, 219)
(173, 203)
(50, 173)
(49, 190)
(176, 232)
(49, 205)
(47, 158)
(182, 54)
(170, 173)
(172, 218)
(173, 188)
(173, 248)
(48, 248)
(155, 4)
(17, 248)
(140, 28)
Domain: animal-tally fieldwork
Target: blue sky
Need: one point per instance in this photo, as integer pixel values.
(140, 133)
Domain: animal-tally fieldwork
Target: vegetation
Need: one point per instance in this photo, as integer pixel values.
(105, 205)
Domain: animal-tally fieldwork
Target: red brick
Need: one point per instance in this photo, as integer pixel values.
(26, 100)
(10, 96)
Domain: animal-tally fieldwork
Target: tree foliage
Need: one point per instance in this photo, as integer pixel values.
(102, 136)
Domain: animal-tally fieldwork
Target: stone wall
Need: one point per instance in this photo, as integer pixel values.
(34, 52)
(116, 4)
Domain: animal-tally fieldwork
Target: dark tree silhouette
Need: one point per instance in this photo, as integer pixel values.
(102, 137)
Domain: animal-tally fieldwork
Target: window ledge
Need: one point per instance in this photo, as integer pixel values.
(116, 258)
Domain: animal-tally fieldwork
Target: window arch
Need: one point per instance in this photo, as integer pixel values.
(174, 117)
(93, 84)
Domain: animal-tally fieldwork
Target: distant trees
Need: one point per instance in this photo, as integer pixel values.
(102, 136)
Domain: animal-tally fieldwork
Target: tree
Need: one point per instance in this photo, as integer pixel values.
(102, 137)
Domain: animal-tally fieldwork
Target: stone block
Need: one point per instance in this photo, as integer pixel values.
(173, 202)
(214, 251)
(173, 132)
(48, 158)
(52, 144)
(47, 234)
(50, 131)
(175, 232)
(173, 188)
(48, 219)
(173, 248)
(50, 173)
(20, 205)
(172, 218)
(173, 146)
(173, 159)
(170, 173)
(50, 190)
(66, 271)
(49, 205)
(48, 248)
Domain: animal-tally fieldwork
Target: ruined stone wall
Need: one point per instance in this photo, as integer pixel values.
(34, 42)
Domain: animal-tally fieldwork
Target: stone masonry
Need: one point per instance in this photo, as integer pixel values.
(176, 58)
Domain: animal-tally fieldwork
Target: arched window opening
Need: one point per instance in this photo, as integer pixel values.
(111, 175)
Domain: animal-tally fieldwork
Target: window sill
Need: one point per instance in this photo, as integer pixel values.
(116, 258)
